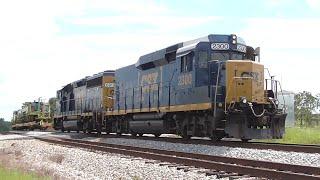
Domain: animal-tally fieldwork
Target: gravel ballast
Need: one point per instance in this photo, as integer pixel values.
(298, 158)
(307, 159)
(74, 163)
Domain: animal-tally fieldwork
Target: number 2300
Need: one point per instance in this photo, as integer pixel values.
(219, 46)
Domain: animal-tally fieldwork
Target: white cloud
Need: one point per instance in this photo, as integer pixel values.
(297, 71)
(313, 4)
(276, 3)
(165, 23)
(128, 6)
(36, 59)
(289, 48)
(283, 33)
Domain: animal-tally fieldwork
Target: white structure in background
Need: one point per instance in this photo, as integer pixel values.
(288, 100)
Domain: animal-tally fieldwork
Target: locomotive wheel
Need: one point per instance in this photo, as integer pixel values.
(140, 134)
(157, 135)
(133, 134)
(215, 138)
(185, 134)
(245, 140)
(79, 127)
(85, 127)
(186, 137)
(68, 131)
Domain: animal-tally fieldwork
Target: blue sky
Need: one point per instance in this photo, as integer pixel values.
(47, 44)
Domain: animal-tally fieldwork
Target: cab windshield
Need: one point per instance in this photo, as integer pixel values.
(223, 56)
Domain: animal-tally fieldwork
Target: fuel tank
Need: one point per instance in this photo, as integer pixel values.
(148, 123)
(147, 126)
(70, 125)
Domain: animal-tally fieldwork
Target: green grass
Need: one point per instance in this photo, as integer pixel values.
(298, 135)
(6, 174)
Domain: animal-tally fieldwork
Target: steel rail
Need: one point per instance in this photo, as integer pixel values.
(234, 165)
(251, 145)
(305, 148)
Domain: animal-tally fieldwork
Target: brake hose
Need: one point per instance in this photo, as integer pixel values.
(260, 115)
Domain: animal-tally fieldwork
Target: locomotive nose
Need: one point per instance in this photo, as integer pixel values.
(245, 81)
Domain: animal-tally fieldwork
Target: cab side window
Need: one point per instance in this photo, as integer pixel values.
(187, 62)
(203, 59)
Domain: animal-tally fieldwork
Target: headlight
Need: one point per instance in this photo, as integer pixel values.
(234, 42)
(243, 100)
(234, 37)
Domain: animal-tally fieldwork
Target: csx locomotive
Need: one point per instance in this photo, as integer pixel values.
(212, 86)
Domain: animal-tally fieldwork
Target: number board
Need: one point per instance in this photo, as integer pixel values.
(241, 48)
(109, 85)
(219, 46)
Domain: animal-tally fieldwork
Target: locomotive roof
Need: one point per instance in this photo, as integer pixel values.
(157, 55)
(83, 81)
(160, 55)
(104, 73)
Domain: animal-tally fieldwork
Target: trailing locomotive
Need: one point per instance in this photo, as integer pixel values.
(208, 87)
(32, 115)
(81, 105)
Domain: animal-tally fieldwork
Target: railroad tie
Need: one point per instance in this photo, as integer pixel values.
(165, 164)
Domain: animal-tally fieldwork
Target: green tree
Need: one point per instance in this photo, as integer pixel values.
(4, 125)
(304, 105)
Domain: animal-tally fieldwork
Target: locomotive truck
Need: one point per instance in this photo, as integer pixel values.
(213, 86)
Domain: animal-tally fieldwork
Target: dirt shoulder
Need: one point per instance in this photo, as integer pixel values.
(12, 159)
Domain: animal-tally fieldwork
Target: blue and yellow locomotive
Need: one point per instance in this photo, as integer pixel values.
(211, 86)
(208, 87)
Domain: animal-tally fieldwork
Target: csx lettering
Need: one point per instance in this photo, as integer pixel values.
(149, 78)
(185, 79)
(148, 82)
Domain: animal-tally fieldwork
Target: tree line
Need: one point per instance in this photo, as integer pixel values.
(306, 109)
(4, 125)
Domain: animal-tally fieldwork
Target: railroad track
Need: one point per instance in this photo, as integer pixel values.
(251, 145)
(223, 166)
